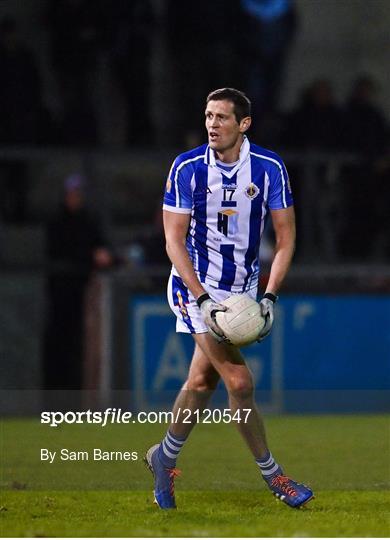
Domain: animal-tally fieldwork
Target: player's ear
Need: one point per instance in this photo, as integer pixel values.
(245, 124)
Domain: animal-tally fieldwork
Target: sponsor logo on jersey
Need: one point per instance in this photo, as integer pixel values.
(231, 185)
(228, 222)
(168, 186)
(251, 191)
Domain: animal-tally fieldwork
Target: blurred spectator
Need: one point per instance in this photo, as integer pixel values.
(131, 30)
(76, 35)
(366, 208)
(20, 111)
(365, 134)
(14, 186)
(75, 248)
(268, 30)
(316, 123)
(380, 212)
(202, 40)
(20, 89)
(365, 124)
(154, 244)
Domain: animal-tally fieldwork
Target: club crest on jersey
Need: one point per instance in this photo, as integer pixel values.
(251, 191)
(228, 222)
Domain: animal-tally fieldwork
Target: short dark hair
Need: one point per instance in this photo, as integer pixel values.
(242, 104)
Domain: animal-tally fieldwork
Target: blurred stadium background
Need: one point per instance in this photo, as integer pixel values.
(105, 94)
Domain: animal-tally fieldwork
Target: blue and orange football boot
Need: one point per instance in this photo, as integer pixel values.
(164, 479)
(290, 492)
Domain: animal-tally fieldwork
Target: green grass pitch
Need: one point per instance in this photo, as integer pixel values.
(220, 493)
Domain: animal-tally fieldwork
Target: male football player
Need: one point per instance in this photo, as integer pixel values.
(216, 200)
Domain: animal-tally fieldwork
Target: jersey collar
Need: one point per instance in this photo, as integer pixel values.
(209, 158)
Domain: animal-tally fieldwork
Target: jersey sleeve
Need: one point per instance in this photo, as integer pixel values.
(178, 191)
(280, 194)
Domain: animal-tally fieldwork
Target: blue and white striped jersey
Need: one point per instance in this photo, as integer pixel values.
(228, 210)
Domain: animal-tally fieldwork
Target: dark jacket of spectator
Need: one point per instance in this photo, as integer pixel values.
(316, 123)
(20, 89)
(364, 122)
(75, 247)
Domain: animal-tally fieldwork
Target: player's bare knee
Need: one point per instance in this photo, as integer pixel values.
(201, 383)
(240, 387)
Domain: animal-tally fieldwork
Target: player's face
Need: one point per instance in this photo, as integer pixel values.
(224, 132)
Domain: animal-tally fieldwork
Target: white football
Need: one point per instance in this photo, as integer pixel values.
(242, 322)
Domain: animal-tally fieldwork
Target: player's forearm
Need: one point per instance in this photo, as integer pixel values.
(178, 254)
(283, 221)
(280, 266)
